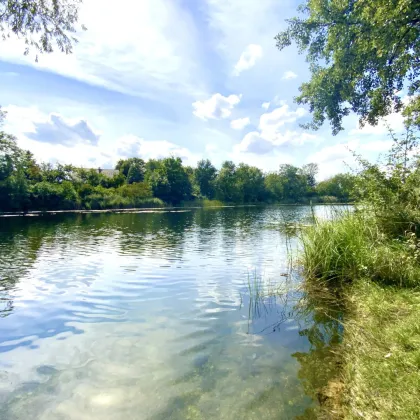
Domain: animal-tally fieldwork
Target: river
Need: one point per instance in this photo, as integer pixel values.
(187, 314)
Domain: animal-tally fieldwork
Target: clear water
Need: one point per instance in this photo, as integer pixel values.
(149, 316)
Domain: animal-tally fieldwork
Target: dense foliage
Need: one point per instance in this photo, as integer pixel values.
(362, 54)
(28, 185)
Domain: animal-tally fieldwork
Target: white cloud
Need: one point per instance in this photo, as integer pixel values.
(339, 157)
(58, 130)
(394, 121)
(216, 107)
(288, 75)
(52, 128)
(265, 105)
(155, 54)
(335, 152)
(51, 138)
(130, 145)
(333, 159)
(242, 22)
(377, 146)
(240, 123)
(271, 133)
(271, 122)
(261, 143)
(248, 58)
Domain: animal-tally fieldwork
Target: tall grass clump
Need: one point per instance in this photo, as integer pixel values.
(337, 250)
(354, 246)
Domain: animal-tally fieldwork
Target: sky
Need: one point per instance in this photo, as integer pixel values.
(189, 78)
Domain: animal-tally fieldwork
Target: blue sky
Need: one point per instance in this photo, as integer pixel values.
(191, 78)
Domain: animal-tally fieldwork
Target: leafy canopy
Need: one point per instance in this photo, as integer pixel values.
(361, 54)
(41, 23)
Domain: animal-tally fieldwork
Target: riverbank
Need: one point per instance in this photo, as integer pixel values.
(209, 204)
(377, 279)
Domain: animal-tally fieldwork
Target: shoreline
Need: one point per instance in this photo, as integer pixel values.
(34, 213)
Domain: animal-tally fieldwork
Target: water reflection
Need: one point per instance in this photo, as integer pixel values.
(320, 365)
(150, 316)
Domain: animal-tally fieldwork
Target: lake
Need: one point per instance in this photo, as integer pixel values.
(187, 314)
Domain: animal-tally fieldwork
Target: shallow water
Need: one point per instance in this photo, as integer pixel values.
(149, 316)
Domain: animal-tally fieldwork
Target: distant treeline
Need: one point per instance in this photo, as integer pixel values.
(28, 185)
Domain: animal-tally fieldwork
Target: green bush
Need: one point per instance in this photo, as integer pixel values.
(50, 196)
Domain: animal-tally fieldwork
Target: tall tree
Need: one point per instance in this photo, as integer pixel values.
(169, 180)
(294, 183)
(204, 175)
(273, 184)
(226, 183)
(310, 171)
(123, 166)
(135, 173)
(361, 54)
(249, 183)
(41, 23)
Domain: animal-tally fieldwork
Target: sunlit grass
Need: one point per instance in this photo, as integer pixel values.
(354, 246)
(382, 352)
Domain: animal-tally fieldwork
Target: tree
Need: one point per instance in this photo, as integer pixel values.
(169, 180)
(361, 54)
(310, 171)
(204, 175)
(123, 165)
(340, 186)
(226, 183)
(249, 183)
(135, 173)
(273, 184)
(40, 23)
(294, 183)
(13, 182)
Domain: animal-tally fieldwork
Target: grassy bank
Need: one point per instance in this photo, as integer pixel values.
(377, 276)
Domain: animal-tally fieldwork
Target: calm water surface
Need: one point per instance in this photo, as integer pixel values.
(149, 316)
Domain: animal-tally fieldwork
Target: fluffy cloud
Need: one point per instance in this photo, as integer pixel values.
(270, 122)
(240, 123)
(52, 129)
(52, 139)
(216, 107)
(248, 58)
(271, 134)
(265, 105)
(129, 146)
(288, 75)
(58, 130)
(333, 159)
(259, 143)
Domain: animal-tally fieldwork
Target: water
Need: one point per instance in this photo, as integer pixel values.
(149, 316)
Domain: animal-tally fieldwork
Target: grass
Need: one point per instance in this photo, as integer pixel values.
(381, 369)
(354, 246)
(378, 278)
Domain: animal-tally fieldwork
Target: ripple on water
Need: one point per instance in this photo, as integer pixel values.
(146, 316)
